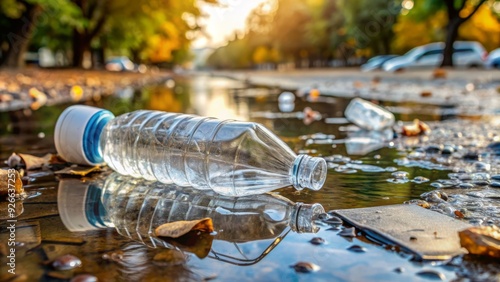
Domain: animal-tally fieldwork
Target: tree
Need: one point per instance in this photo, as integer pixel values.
(18, 21)
(456, 10)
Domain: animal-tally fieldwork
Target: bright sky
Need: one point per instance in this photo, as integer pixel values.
(224, 19)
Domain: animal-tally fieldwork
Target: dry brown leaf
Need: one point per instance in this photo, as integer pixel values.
(34, 162)
(416, 128)
(178, 228)
(439, 73)
(78, 170)
(482, 240)
(6, 210)
(425, 93)
(11, 177)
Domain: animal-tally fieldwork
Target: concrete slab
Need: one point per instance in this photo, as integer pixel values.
(427, 234)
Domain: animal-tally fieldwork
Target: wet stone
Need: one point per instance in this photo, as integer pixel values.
(84, 278)
(433, 149)
(496, 177)
(495, 184)
(305, 267)
(66, 262)
(348, 232)
(471, 156)
(437, 185)
(420, 179)
(481, 182)
(317, 241)
(357, 249)
(447, 150)
(481, 166)
(494, 147)
(466, 185)
(400, 174)
(431, 274)
(390, 169)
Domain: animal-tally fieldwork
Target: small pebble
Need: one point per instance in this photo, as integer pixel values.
(433, 149)
(357, 249)
(447, 150)
(420, 179)
(471, 156)
(495, 184)
(66, 262)
(465, 185)
(437, 185)
(317, 241)
(495, 177)
(390, 169)
(413, 238)
(481, 166)
(84, 278)
(348, 232)
(400, 174)
(431, 274)
(305, 267)
(399, 270)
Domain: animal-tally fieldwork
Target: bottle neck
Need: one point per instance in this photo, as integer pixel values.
(92, 135)
(303, 217)
(308, 172)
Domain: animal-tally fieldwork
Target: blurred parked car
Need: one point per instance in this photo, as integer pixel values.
(466, 54)
(120, 64)
(376, 62)
(493, 60)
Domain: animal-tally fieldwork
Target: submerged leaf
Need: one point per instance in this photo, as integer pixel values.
(78, 170)
(179, 228)
(482, 240)
(10, 179)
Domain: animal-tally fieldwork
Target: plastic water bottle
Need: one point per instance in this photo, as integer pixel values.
(230, 157)
(368, 115)
(136, 207)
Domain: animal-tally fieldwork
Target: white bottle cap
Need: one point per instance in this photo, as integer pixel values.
(77, 131)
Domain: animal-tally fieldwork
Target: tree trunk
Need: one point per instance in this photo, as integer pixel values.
(20, 37)
(81, 45)
(451, 36)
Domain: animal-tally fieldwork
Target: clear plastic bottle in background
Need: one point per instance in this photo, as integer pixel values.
(136, 207)
(230, 157)
(368, 115)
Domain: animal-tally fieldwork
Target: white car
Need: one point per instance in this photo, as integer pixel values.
(466, 54)
(493, 60)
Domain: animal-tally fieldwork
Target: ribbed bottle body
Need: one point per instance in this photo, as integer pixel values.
(229, 157)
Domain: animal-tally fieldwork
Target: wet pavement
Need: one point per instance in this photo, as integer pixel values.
(455, 158)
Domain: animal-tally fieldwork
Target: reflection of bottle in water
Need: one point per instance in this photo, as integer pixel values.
(136, 207)
(229, 157)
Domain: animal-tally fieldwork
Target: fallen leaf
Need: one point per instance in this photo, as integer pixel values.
(439, 73)
(416, 128)
(178, 228)
(6, 209)
(459, 214)
(78, 170)
(482, 240)
(33, 162)
(425, 93)
(10, 179)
